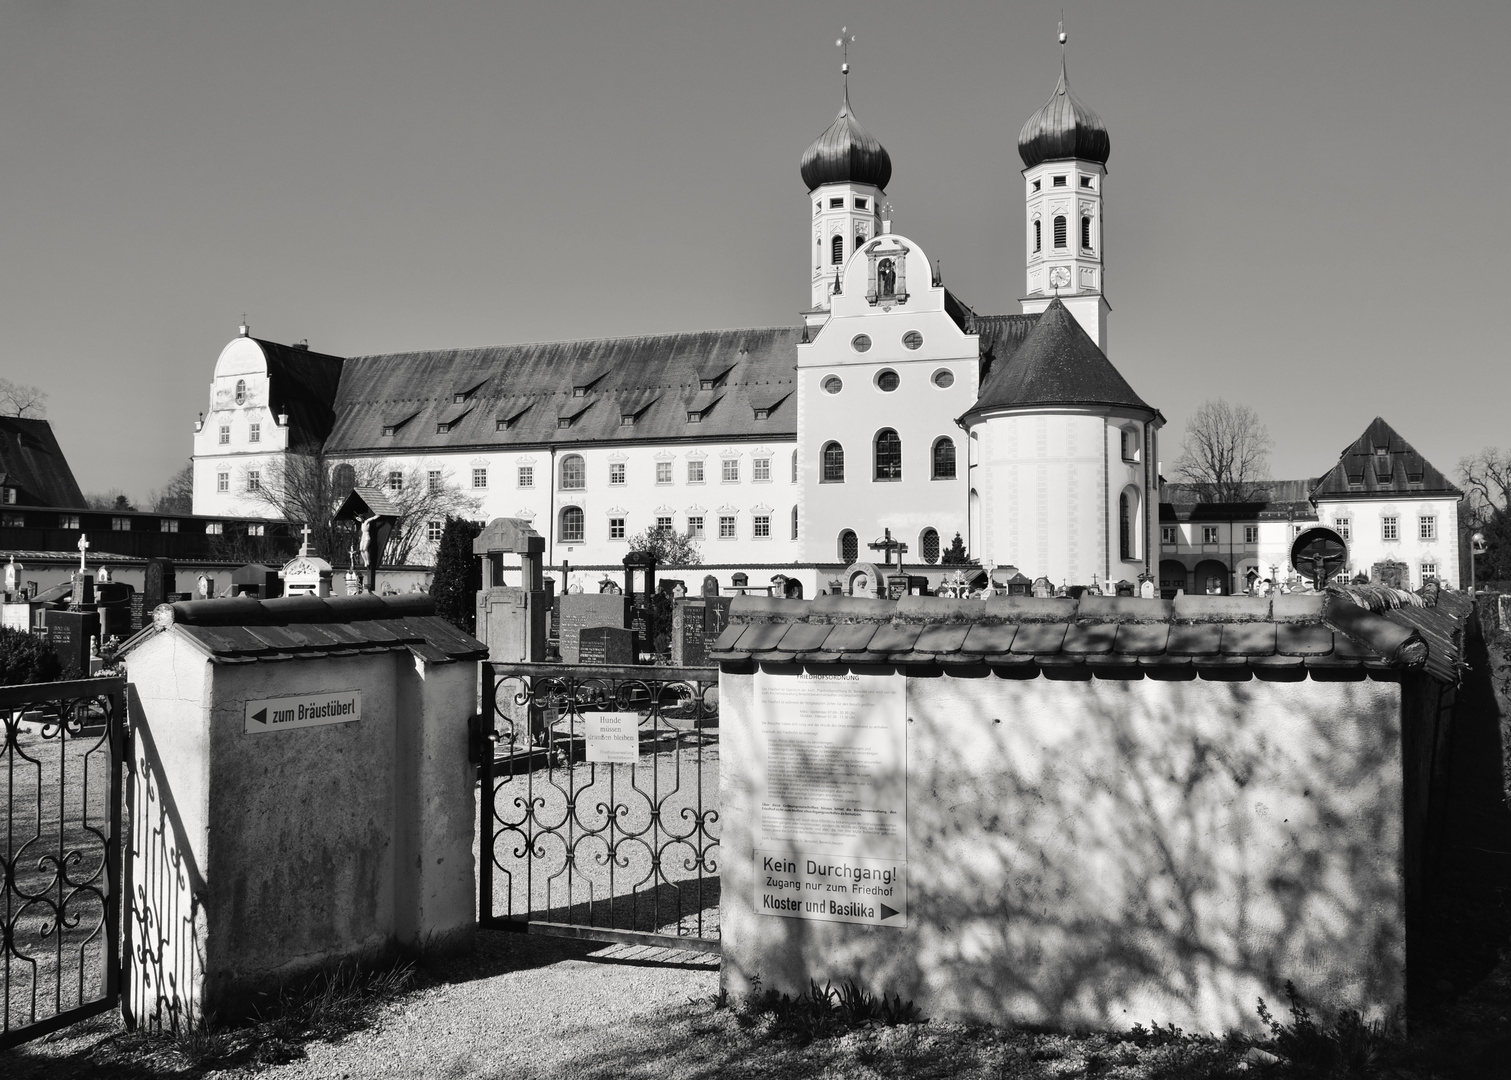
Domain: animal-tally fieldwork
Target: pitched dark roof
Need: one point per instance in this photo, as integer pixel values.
(303, 385)
(1283, 498)
(32, 462)
(1278, 637)
(535, 383)
(1056, 364)
(1380, 462)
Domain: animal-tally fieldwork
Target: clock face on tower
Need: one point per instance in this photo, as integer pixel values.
(1059, 277)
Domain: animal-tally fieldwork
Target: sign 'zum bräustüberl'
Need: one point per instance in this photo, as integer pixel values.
(831, 843)
(308, 710)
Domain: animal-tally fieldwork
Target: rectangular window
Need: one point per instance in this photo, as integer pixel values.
(761, 469)
(433, 530)
(1343, 527)
(254, 480)
(731, 471)
(616, 472)
(1295, 531)
(1429, 572)
(726, 526)
(1059, 181)
(225, 434)
(527, 476)
(68, 521)
(479, 478)
(1390, 528)
(1127, 445)
(763, 526)
(168, 525)
(214, 528)
(616, 528)
(571, 526)
(120, 524)
(256, 530)
(222, 483)
(836, 204)
(860, 204)
(1251, 535)
(1086, 181)
(433, 481)
(663, 524)
(695, 526)
(14, 521)
(1209, 534)
(695, 471)
(395, 480)
(1427, 527)
(254, 433)
(1167, 534)
(663, 472)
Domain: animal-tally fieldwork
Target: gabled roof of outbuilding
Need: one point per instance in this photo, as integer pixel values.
(1056, 364)
(535, 383)
(32, 461)
(1406, 472)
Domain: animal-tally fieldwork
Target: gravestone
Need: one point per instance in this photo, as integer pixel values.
(1147, 590)
(865, 579)
(696, 625)
(68, 635)
(580, 611)
(1042, 587)
(159, 582)
(605, 645)
(710, 585)
(1125, 588)
(113, 601)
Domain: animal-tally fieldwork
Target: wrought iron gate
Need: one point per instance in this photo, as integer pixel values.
(578, 846)
(60, 787)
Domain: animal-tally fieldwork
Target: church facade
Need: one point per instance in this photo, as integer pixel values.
(893, 413)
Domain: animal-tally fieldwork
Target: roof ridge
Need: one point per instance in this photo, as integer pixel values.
(572, 341)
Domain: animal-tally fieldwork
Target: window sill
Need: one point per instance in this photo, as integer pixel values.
(886, 480)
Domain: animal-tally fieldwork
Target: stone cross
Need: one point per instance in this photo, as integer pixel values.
(305, 549)
(83, 547)
(887, 545)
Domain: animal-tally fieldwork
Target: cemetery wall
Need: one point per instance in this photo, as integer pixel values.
(1103, 852)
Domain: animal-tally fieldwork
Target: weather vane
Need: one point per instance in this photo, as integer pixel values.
(846, 39)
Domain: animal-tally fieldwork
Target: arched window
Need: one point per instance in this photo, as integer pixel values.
(343, 479)
(794, 466)
(849, 547)
(794, 523)
(571, 525)
(834, 463)
(1038, 234)
(241, 391)
(1128, 524)
(574, 475)
(1086, 232)
(837, 249)
(944, 459)
(860, 240)
(888, 455)
(928, 544)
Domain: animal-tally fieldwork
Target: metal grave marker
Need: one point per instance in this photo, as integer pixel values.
(304, 711)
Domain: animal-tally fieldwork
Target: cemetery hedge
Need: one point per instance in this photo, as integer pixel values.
(458, 577)
(26, 658)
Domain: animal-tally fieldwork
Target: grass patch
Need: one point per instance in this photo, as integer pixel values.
(825, 1011)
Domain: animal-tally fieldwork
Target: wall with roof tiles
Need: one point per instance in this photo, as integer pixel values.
(1103, 851)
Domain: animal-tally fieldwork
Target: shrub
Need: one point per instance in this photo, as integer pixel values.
(26, 658)
(458, 575)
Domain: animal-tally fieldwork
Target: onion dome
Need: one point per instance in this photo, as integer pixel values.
(846, 153)
(1063, 128)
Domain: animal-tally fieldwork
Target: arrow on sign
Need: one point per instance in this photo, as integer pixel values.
(887, 913)
(261, 716)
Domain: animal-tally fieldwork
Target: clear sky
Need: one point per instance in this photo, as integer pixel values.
(1305, 207)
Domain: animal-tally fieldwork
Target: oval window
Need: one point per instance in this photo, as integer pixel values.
(887, 381)
(860, 342)
(832, 385)
(944, 378)
(913, 339)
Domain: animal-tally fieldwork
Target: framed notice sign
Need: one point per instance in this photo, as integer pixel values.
(832, 837)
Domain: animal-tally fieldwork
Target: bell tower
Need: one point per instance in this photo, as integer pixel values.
(1064, 147)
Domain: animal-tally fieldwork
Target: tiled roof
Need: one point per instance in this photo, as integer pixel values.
(1219, 637)
(244, 630)
(1285, 499)
(302, 384)
(32, 461)
(1056, 364)
(568, 392)
(1380, 462)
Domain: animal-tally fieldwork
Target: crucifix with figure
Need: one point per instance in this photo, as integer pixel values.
(887, 545)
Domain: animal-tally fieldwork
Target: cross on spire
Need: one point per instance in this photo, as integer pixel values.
(846, 39)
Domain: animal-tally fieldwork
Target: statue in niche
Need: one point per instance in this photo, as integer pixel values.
(886, 278)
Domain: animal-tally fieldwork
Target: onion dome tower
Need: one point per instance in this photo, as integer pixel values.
(846, 171)
(1064, 147)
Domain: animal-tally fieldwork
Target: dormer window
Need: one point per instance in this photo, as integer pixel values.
(1059, 181)
(627, 419)
(695, 416)
(763, 414)
(579, 391)
(457, 399)
(563, 422)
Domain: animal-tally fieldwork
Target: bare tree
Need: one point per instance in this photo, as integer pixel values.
(177, 495)
(307, 485)
(1486, 480)
(17, 399)
(1226, 453)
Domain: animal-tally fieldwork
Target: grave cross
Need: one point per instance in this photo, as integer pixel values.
(887, 545)
(305, 549)
(83, 547)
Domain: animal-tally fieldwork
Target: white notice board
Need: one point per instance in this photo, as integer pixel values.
(612, 737)
(831, 843)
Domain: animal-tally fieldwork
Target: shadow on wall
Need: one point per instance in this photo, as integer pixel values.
(1102, 852)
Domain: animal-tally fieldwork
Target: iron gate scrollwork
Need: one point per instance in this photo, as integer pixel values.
(60, 787)
(616, 851)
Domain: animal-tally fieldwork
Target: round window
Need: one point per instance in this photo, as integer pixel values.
(944, 378)
(832, 385)
(860, 342)
(913, 339)
(887, 381)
